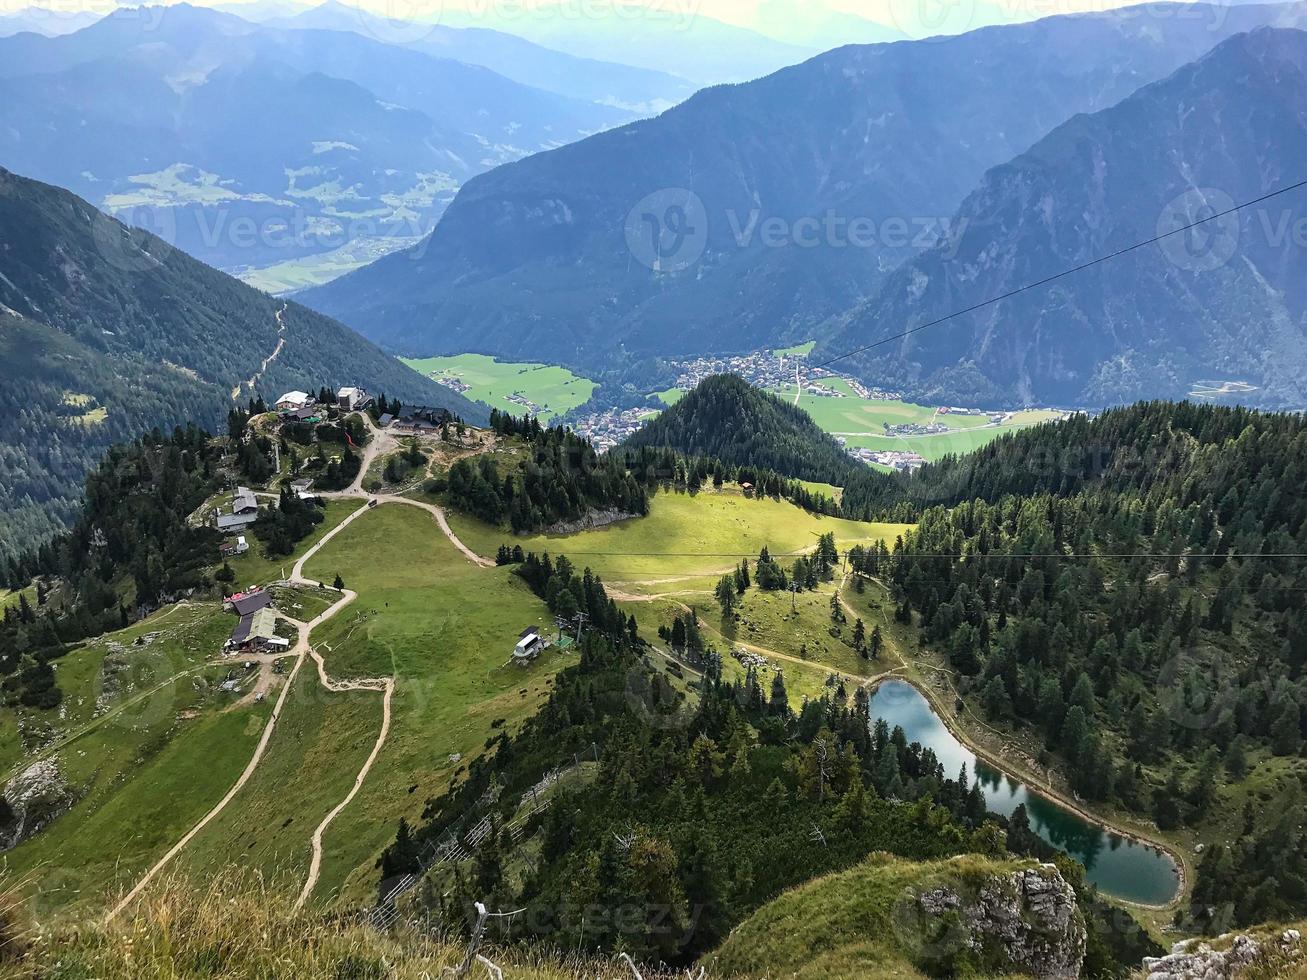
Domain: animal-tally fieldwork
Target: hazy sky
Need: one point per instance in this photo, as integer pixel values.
(792, 20)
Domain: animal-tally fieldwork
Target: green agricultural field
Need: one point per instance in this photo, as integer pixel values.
(860, 422)
(554, 389)
(799, 625)
(684, 535)
(304, 602)
(444, 628)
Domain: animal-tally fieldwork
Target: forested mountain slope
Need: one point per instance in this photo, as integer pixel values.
(728, 419)
(109, 331)
(1126, 592)
(1223, 302)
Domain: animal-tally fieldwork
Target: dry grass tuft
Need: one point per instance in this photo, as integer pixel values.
(239, 926)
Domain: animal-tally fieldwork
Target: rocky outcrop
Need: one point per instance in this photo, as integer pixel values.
(1024, 921)
(591, 520)
(1227, 957)
(35, 797)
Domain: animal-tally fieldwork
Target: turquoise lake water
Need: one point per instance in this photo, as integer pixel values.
(1118, 866)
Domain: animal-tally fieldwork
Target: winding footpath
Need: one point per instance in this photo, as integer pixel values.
(276, 352)
(303, 648)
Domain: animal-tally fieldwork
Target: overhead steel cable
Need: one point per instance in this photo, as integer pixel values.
(1064, 273)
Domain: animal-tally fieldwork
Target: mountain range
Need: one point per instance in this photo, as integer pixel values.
(513, 57)
(1222, 304)
(796, 195)
(107, 331)
(251, 145)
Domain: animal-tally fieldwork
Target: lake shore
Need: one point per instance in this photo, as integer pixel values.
(1043, 788)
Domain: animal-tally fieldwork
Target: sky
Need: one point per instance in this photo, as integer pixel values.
(800, 22)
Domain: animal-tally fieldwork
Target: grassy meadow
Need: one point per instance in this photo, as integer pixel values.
(445, 629)
(860, 422)
(555, 389)
(685, 535)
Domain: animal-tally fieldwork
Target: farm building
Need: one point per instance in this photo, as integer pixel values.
(352, 399)
(529, 645)
(293, 401)
(257, 631)
(237, 547)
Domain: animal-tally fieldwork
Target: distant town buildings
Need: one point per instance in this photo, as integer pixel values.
(606, 429)
(767, 369)
(453, 383)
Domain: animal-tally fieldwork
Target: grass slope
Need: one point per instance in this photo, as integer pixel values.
(555, 389)
(691, 535)
(445, 629)
(844, 926)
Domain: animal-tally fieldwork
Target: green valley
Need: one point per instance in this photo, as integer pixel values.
(522, 389)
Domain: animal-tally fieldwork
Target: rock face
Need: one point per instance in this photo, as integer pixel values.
(1226, 958)
(1025, 921)
(36, 796)
(591, 520)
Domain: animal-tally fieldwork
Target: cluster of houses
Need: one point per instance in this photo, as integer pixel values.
(305, 407)
(256, 627)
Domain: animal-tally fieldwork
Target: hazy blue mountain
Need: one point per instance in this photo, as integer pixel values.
(107, 331)
(670, 37)
(248, 145)
(551, 256)
(1226, 302)
(508, 55)
(45, 20)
